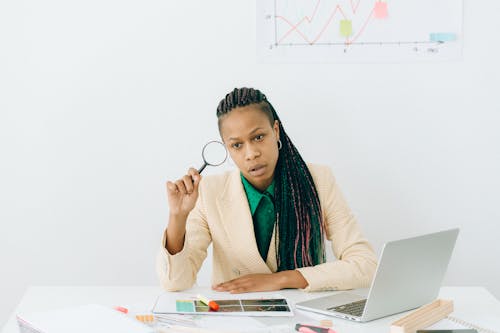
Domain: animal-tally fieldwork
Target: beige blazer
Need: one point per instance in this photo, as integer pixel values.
(222, 217)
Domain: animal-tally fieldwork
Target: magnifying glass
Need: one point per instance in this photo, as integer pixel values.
(214, 153)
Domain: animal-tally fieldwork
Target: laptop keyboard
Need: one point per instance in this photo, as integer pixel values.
(354, 308)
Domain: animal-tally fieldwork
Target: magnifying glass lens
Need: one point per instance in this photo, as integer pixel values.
(214, 153)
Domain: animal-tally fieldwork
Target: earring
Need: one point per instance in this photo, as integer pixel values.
(280, 145)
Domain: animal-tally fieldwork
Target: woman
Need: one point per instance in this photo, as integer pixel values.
(267, 220)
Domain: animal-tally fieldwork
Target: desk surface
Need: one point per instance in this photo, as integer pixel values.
(473, 304)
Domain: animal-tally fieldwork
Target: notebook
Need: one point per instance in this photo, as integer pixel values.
(454, 323)
(81, 319)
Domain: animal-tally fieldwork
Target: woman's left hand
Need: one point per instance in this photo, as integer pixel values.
(250, 283)
(263, 282)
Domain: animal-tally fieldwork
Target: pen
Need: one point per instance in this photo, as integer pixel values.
(312, 329)
(211, 304)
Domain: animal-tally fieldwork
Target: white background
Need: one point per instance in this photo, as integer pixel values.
(103, 100)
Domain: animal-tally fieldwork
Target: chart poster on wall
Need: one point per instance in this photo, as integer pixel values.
(359, 31)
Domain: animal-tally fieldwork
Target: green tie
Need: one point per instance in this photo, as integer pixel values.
(263, 223)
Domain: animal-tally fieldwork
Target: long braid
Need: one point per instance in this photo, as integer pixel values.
(299, 226)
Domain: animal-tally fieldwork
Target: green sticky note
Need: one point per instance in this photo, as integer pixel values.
(184, 306)
(345, 28)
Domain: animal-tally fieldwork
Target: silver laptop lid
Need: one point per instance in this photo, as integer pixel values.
(410, 273)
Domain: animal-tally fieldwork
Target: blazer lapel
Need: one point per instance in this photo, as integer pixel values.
(237, 221)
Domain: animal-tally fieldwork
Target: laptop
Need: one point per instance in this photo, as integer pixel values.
(409, 274)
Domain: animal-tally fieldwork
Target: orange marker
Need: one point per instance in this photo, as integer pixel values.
(211, 304)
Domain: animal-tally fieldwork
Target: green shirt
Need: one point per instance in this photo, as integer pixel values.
(263, 214)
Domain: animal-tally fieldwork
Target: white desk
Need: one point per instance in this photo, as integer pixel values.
(471, 303)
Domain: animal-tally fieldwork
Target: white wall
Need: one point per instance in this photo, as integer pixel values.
(103, 100)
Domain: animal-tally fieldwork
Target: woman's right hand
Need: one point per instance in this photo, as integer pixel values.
(183, 193)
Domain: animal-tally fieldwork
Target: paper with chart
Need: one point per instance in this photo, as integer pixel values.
(250, 304)
(359, 30)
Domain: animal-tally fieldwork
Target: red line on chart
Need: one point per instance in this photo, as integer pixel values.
(314, 12)
(309, 19)
(295, 27)
(362, 29)
(352, 6)
(328, 22)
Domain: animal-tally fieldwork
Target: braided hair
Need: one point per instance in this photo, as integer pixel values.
(299, 226)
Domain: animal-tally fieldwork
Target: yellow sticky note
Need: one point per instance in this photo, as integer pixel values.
(345, 28)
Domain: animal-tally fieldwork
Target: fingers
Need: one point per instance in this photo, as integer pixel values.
(187, 184)
(171, 187)
(240, 290)
(236, 286)
(195, 176)
(250, 283)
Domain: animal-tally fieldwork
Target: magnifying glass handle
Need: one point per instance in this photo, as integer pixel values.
(202, 168)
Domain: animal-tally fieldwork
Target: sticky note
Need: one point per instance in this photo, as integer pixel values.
(380, 9)
(184, 306)
(346, 28)
(443, 37)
